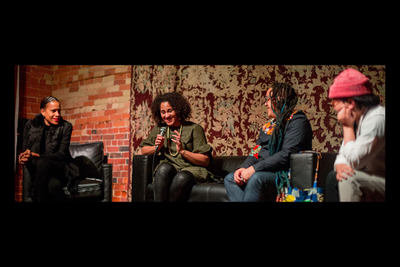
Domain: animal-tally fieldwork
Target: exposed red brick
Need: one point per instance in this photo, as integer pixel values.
(105, 95)
(74, 89)
(119, 82)
(119, 123)
(110, 112)
(124, 87)
(93, 97)
(88, 103)
(116, 94)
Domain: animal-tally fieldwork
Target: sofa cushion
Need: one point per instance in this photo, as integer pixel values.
(201, 192)
(208, 192)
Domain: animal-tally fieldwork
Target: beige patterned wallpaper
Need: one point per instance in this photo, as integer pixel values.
(228, 102)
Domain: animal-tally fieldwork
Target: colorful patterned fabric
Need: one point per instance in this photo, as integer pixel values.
(267, 128)
(314, 194)
(255, 151)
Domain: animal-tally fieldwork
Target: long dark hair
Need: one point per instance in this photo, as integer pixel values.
(284, 98)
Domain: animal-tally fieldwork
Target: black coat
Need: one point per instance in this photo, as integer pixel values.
(55, 146)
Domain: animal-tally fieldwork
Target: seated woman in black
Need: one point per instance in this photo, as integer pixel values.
(46, 153)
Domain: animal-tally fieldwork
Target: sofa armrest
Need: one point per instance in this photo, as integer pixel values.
(301, 164)
(142, 176)
(107, 182)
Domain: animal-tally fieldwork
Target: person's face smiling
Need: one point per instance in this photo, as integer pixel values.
(169, 115)
(51, 113)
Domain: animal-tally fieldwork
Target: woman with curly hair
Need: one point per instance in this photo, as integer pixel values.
(184, 151)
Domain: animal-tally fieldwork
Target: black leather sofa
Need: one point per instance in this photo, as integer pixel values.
(96, 187)
(142, 188)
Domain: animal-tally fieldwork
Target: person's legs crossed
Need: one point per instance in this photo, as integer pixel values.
(260, 186)
(235, 191)
(362, 187)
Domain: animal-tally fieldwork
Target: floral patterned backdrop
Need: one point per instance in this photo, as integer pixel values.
(228, 102)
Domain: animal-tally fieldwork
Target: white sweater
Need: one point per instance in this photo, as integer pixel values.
(368, 150)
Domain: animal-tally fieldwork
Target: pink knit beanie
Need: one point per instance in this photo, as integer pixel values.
(348, 83)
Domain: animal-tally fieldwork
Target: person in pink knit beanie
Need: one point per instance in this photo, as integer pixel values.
(359, 173)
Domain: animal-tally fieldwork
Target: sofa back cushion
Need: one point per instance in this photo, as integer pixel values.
(88, 158)
(223, 165)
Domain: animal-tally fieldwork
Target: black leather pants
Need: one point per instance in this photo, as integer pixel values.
(172, 186)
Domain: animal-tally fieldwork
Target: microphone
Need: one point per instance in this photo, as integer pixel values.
(163, 129)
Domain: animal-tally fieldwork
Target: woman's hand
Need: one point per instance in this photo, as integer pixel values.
(179, 146)
(346, 117)
(196, 158)
(242, 175)
(24, 157)
(237, 176)
(342, 171)
(247, 173)
(159, 141)
(148, 150)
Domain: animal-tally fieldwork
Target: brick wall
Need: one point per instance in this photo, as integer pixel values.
(35, 84)
(95, 99)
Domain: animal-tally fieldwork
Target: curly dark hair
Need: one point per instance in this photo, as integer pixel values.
(177, 101)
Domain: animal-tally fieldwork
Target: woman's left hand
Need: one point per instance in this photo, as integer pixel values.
(178, 142)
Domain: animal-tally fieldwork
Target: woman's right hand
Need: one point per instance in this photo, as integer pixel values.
(159, 141)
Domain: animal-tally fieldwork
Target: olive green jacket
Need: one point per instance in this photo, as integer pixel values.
(193, 140)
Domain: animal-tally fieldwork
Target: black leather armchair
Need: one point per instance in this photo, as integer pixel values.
(98, 183)
(142, 188)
